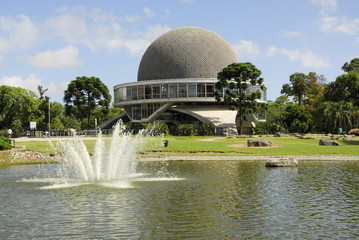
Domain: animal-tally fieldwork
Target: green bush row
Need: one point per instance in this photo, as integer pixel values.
(161, 128)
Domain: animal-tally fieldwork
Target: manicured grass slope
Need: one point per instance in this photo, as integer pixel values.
(225, 146)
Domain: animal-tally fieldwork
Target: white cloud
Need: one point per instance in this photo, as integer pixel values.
(138, 44)
(290, 34)
(246, 49)
(131, 18)
(31, 82)
(64, 57)
(326, 5)
(340, 24)
(15, 33)
(104, 32)
(69, 27)
(307, 57)
(166, 14)
(149, 13)
(187, 1)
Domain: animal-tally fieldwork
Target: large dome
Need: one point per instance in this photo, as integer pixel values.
(187, 52)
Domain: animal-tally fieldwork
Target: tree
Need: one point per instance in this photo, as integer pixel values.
(297, 86)
(335, 115)
(235, 79)
(346, 86)
(297, 119)
(352, 66)
(18, 107)
(84, 95)
(41, 91)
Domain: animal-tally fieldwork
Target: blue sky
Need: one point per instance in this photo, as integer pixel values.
(50, 43)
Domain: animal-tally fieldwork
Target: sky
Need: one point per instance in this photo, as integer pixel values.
(50, 43)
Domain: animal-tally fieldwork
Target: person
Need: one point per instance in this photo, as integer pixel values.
(9, 132)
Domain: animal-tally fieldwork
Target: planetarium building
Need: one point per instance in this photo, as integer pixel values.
(176, 82)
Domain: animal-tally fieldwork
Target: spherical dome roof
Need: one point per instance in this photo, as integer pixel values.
(187, 52)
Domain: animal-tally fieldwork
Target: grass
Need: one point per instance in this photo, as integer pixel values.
(217, 146)
(282, 146)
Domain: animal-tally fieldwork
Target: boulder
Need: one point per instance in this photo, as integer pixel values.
(348, 137)
(279, 134)
(302, 137)
(326, 142)
(258, 143)
(282, 162)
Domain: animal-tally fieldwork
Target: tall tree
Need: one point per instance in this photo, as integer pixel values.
(235, 79)
(297, 86)
(18, 107)
(84, 95)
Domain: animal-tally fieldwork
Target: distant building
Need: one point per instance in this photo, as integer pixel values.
(175, 82)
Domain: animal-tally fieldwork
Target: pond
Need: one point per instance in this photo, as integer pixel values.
(185, 200)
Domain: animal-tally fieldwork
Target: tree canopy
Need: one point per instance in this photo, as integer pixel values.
(235, 79)
(84, 95)
(18, 107)
(297, 86)
(352, 66)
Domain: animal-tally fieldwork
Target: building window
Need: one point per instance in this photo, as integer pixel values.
(173, 90)
(141, 92)
(148, 94)
(201, 90)
(121, 94)
(192, 90)
(164, 90)
(134, 93)
(210, 90)
(128, 94)
(182, 90)
(156, 91)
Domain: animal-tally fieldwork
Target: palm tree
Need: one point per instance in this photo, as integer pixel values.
(335, 115)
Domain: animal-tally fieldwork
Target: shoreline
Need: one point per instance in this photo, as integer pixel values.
(248, 158)
(39, 158)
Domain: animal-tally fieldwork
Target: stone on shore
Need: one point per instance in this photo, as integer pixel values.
(326, 142)
(282, 162)
(258, 143)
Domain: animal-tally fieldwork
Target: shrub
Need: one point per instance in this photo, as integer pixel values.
(158, 128)
(186, 130)
(354, 131)
(206, 129)
(4, 143)
(268, 128)
(135, 127)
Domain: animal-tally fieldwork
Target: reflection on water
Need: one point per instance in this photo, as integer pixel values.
(205, 200)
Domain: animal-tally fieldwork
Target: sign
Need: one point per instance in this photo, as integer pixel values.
(32, 125)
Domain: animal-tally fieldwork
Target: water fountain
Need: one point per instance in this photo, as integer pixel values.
(112, 164)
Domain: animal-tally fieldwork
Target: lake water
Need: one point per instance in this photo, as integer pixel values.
(185, 200)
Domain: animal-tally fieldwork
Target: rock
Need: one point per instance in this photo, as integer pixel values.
(282, 162)
(348, 137)
(302, 137)
(258, 143)
(326, 142)
(279, 134)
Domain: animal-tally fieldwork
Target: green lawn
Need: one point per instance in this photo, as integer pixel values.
(218, 146)
(238, 147)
